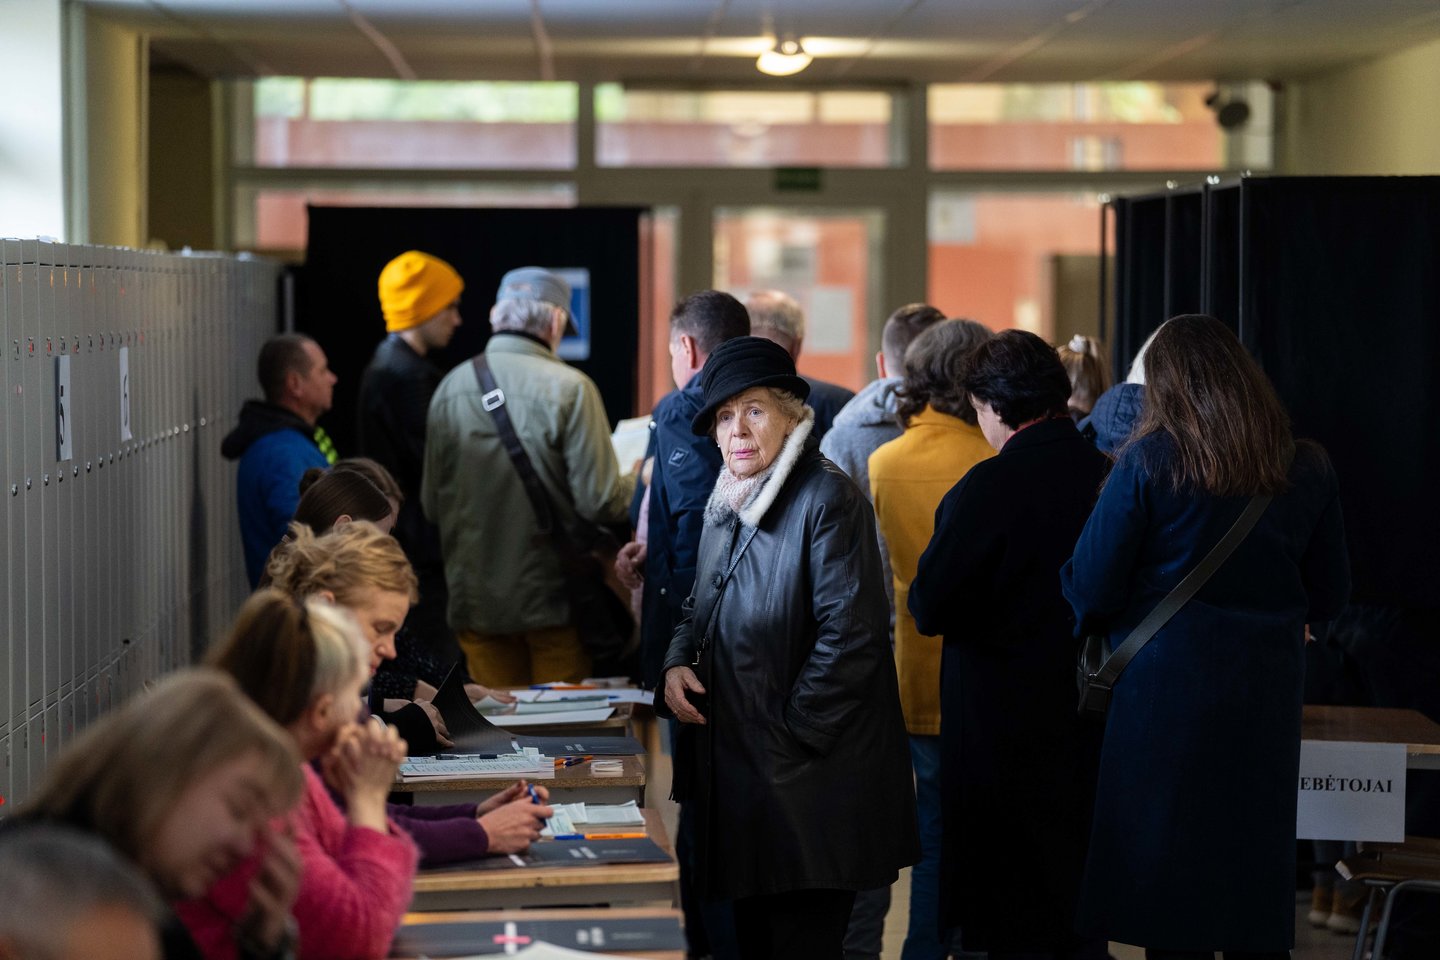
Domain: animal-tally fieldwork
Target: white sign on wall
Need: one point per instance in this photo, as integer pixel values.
(126, 433)
(64, 430)
(1351, 791)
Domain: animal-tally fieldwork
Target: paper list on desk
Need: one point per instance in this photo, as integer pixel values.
(464, 767)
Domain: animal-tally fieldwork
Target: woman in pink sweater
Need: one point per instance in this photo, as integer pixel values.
(305, 664)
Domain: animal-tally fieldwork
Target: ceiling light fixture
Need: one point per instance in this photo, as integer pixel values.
(785, 59)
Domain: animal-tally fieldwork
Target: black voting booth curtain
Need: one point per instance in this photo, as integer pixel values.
(1331, 284)
(336, 298)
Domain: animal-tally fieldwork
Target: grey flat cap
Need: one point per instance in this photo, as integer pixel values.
(537, 283)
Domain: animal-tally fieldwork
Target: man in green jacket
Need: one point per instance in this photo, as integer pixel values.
(508, 604)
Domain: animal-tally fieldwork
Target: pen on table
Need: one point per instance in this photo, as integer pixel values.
(599, 836)
(563, 686)
(570, 761)
(466, 756)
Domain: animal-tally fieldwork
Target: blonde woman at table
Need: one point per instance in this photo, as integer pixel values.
(1193, 845)
(304, 664)
(364, 571)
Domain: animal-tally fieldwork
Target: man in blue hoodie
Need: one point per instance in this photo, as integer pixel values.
(276, 441)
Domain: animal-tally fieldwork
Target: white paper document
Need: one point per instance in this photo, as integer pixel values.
(551, 719)
(630, 439)
(1351, 791)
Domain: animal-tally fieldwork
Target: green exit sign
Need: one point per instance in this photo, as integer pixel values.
(805, 179)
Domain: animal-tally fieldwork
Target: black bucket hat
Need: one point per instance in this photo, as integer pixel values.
(739, 364)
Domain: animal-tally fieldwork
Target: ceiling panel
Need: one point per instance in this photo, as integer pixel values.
(1029, 40)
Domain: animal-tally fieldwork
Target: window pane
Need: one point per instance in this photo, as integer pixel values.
(675, 128)
(1017, 260)
(274, 218)
(1091, 126)
(395, 123)
(827, 260)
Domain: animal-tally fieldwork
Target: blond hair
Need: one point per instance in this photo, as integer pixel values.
(285, 652)
(349, 562)
(120, 778)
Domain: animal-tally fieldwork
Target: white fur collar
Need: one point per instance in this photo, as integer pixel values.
(718, 511)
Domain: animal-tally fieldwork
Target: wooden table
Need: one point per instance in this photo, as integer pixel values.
(1419, 733)
(573, 913)
(550, 886)
(575, 784)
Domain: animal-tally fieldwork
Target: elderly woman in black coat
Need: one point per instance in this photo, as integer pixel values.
(792, 748)
(1016, 766)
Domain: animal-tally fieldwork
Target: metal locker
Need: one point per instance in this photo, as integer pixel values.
(7, 797)
(7, 632)
(36, 424)
(15, 495)
(60, 537)
(55, 347)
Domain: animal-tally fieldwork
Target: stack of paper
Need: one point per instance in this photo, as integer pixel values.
(552, 717)
(572, 818)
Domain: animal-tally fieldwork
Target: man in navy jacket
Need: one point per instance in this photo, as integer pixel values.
(682, 475)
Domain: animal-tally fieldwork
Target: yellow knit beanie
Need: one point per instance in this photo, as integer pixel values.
(415, 287)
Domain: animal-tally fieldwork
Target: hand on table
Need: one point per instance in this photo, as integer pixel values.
(513, 826)
(442, 732)
(510, 794)
(478, 691)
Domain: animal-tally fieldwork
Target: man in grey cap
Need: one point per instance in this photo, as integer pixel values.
(508, 604)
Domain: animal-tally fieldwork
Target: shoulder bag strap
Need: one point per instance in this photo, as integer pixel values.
(493, 401)
(1116, 663)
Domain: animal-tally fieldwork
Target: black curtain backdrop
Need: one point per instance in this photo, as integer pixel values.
(1222, 261)
(336, 300)
(1139, 276)
(1341, 304)
(1331, 284)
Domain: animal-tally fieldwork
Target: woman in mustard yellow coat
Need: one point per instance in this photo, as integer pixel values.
(908, 478)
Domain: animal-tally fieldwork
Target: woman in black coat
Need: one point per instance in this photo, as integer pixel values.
(792, 748)
(1016, 763)
(1193, 848)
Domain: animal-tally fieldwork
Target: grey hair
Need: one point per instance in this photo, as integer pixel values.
(55, 877)
(778, 311)
(529, 316)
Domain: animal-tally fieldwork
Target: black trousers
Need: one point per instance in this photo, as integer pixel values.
(798, 925)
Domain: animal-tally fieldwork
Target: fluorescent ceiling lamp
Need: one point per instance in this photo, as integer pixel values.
(785, 59)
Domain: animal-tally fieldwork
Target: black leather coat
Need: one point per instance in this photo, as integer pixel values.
(801, 777)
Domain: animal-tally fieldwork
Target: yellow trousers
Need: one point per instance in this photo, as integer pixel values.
(520, 659)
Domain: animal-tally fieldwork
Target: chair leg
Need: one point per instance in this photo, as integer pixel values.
(1404, 886)
(1364, 935)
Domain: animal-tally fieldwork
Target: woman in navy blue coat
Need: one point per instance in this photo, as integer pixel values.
(1193, 845)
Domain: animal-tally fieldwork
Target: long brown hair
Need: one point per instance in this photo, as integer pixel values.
(1231, 433)
(125, 772)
